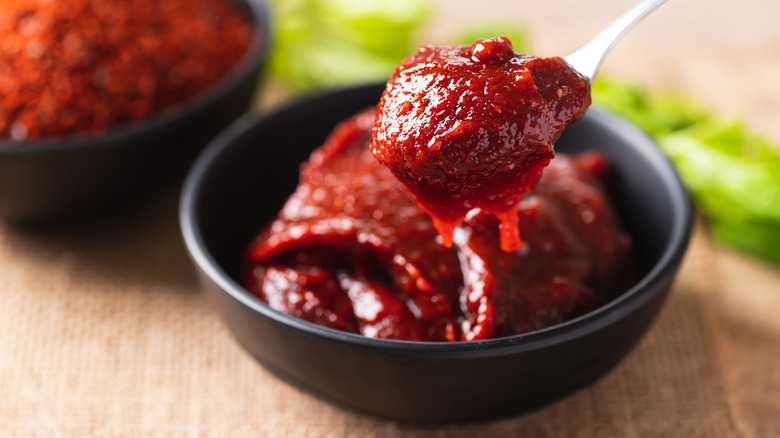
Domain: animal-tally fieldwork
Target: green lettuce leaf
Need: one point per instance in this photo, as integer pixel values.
(328, 43)
(732, 172)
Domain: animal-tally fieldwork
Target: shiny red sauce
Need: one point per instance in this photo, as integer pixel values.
(352, 250)
(465, 127)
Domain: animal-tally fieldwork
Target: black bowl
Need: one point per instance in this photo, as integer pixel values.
(87, 174)
(240, 182)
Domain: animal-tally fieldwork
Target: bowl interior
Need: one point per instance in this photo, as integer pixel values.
(263, 166)
(243, 179)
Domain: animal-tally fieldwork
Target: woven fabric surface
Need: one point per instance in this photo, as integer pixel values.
(105, 333)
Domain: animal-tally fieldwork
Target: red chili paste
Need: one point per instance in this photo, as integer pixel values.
(352, 250)
(472, 127)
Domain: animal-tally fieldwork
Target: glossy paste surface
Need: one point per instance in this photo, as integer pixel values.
(467, 127)
(352, 250)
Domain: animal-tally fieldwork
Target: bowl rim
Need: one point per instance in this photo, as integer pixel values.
(604, 315)
(258, 11)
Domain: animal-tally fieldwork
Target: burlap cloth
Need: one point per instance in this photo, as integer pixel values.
(104, 331)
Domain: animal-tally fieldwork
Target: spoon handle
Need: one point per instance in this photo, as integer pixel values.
(587, 60)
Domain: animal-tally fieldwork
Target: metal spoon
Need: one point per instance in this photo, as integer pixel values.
(587, 60)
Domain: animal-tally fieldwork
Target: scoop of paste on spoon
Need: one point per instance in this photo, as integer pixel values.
(466, 127)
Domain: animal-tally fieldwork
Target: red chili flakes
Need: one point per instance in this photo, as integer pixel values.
(79, 65)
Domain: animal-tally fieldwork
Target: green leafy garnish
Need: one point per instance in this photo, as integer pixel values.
(328, 43)
(732, 172)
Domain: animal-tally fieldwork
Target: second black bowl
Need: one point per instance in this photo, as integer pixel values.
(87, 174)
(243, 178)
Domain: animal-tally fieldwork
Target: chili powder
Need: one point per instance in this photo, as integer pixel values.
(80, 65)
